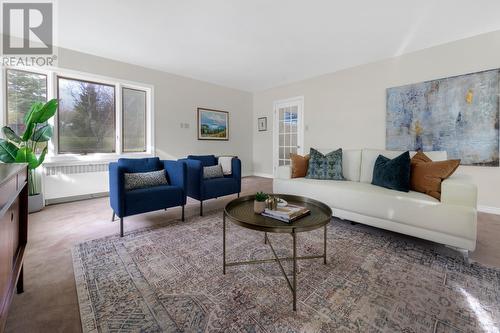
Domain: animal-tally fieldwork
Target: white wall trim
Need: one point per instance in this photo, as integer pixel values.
(489, 209)
(56, 201)
(262, 174)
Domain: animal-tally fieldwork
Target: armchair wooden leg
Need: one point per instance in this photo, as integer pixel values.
(182, 213)
(238, 194)
(201, 207)
(121, 226)
(113, 218)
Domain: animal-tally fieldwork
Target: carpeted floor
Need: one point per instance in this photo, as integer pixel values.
(170, 279)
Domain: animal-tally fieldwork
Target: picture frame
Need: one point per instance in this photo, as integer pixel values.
(457, 114)
(262, 124)
(213, 124)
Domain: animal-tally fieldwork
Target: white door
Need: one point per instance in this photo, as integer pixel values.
(288, 133)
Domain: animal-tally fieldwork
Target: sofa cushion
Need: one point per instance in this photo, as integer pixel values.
(409, 208)
(426, 175)
(327, 166)
(300, 164)
(369, 156)
(144, 179)
(393, 173)
(351, 162)
(206, 160)
(131, 165)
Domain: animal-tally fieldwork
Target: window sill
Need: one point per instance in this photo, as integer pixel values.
(74, 159)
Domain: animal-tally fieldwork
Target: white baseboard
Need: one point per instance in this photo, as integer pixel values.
(261, 174)
(489, 209)
(55, 201)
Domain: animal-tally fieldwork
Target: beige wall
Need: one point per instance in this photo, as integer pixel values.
(176, 99)
(347, 108)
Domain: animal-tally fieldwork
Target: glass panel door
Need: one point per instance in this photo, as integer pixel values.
(287, 133)
(288, 130)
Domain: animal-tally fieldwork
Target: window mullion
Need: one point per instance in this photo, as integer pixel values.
(52, 93)
(3, 87)
(118, 119)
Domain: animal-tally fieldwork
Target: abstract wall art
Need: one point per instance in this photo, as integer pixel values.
(459, 115)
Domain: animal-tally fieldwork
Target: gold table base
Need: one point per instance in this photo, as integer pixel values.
(291, 284)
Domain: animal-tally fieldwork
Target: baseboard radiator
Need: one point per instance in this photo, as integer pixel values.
(63, 183)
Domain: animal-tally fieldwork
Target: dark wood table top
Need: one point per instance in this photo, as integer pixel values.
(7, 170)
(240, 211)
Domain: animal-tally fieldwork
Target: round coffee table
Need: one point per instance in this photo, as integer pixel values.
(240, 211)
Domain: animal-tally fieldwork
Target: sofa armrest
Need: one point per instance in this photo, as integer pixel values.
(194, 177)
(116, 188)
(284, 172)
(459, 190)
(177, 173)
(236, 168)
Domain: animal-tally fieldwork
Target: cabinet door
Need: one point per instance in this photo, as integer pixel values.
(14, 228)
(6, 252)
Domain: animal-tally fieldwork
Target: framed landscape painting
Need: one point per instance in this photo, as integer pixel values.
(459, 115)
(213, 124)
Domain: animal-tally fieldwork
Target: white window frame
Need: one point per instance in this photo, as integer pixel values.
(53, 157)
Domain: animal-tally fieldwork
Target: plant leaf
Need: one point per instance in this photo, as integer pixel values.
(47, 111)
(10, 134)
(42, 134)
(34, 108)
(26, 155)
(41, 158)
(30, 126)
(8, 151)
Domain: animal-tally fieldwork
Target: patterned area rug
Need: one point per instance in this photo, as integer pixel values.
(170, 279)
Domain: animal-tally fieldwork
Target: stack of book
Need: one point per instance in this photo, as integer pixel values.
(287, 214)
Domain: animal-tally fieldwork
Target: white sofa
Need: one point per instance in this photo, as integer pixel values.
(451, 221)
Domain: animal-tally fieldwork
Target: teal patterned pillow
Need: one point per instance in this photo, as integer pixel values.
(327, 166)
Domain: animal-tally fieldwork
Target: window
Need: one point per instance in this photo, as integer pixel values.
(96, 115)
(134, 120)
(23, 89)
(86, 117)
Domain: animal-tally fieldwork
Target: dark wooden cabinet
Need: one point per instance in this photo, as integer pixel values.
(13, 232)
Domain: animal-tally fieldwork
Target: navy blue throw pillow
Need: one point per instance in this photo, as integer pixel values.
(393, 174)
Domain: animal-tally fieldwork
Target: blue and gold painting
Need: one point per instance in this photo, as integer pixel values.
(213, 124)
(459, 115)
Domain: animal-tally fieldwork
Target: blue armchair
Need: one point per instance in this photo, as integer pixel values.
(142, 200)
(203, 189)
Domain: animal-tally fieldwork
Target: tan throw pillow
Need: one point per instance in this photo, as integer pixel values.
(426, 175)
(300, 164)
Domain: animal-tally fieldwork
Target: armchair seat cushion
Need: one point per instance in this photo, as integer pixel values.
(153, 198)
(218, 187)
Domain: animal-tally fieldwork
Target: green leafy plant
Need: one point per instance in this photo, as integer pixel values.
(261, 196)
(22, 149)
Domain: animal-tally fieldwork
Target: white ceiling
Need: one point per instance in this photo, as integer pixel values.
(258, 44)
